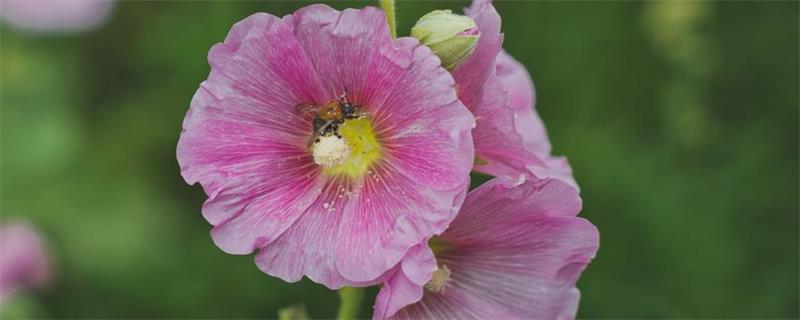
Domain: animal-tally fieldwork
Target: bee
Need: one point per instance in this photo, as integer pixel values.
(330, 116)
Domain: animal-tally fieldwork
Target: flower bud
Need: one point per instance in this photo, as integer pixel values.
(452, 37)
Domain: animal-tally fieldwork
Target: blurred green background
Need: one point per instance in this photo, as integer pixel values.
(680, 120)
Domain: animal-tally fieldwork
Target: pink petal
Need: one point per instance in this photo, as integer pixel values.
(516, 252)
(405, 287)
(497, 141)
(339, 44)
(472, 73)
(233, 124)
(521, 98)
(307, 248)
(233, 135)
(510, 138)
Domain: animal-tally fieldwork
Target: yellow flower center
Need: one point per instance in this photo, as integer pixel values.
(353, 154)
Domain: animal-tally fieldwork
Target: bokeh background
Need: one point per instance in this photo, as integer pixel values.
(680, 120)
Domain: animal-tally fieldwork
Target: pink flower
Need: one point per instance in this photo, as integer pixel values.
(23, 259)
(55, 15)
(345, 207)
(510, 138)
(514, 252)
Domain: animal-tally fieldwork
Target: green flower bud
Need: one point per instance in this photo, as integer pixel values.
(452, 37)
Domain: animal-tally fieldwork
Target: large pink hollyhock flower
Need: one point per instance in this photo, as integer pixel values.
(23, 259)
(514, 252)
(55, 15)
(510, 138)
(344, 209)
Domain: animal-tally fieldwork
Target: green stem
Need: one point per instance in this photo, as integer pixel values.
(350, 303)
(388, 9)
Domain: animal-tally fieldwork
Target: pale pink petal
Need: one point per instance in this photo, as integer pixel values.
(23, 259)
(499, 146)
(515, 251)
(522, 97)
(556, 168)
(405, 287)
(55, 16)
(548, 255)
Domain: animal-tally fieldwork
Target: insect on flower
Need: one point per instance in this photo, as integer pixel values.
(329, 117)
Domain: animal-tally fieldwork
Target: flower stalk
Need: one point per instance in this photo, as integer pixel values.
(349, 303)
(388, 9)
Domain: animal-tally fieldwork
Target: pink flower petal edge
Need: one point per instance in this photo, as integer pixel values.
(515, 251)
(245, 143)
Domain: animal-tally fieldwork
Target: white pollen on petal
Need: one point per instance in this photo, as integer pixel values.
(439, 280)
(330, 151)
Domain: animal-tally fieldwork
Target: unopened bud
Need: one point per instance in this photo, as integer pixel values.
(450, 36)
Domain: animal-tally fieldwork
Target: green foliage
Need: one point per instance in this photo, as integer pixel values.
(680, 121)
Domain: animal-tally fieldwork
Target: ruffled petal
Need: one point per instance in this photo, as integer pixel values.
(522, 97)
(515, 252)
(499, 147)
(472, 73)
(340, 44)
(510, 138)
(404, 287)
(229, 157)
(548, 255)
(245, 111)
(307, 248)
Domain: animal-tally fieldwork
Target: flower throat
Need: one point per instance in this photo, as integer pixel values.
(342, 141)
